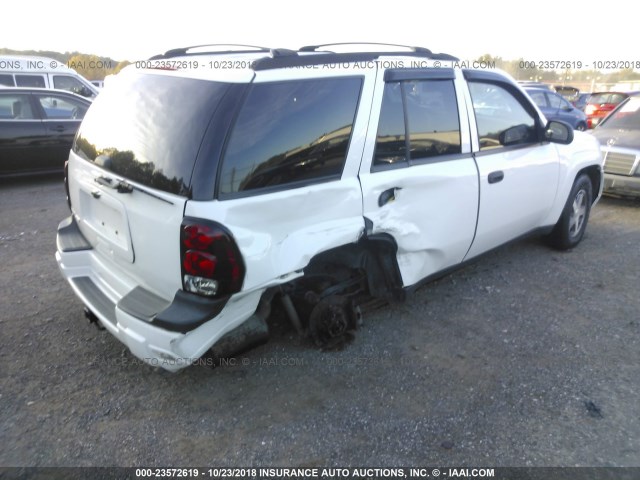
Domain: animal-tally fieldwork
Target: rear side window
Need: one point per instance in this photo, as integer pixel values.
(7, 80)
(292, 132)
(149, 128)
(15, 106)
(36, 81)
(418, 121)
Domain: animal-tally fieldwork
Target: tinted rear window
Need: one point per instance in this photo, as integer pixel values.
(148, 128)
(288, 132)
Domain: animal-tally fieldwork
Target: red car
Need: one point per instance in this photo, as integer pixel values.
(600, 104)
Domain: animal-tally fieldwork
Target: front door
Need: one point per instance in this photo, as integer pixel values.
(418, 176)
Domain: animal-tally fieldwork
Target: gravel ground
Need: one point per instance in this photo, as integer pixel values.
(528, 357)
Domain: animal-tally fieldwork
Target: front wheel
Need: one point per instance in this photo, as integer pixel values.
(581, 127)
(569, 230)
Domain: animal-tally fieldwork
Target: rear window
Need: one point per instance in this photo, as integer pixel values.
(607, 97)
(148, 128)
(290, 132)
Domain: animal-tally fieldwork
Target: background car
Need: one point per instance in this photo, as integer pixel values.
(581, 101)
(619, 136)
(569, 93)
(532, 84)
(555, 107)
(600, 104)
(37, 127)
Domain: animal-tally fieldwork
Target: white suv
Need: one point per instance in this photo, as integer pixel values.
(206, 185)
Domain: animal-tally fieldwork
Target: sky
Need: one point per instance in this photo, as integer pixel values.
(134, 30)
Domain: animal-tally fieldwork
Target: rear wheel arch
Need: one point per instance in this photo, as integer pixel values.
(373, 255)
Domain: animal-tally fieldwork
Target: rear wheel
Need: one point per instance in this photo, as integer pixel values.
(570, 228)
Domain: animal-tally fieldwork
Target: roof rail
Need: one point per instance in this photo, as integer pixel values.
(306, 56)
(325, 58)
(314, 48)
(229, 48)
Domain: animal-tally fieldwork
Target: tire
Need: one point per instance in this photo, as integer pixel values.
(582, 127)
(569, 230)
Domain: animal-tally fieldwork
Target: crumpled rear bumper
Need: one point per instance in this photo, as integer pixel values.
(169, 333)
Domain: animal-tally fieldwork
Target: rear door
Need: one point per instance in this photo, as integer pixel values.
(518, 171)
(22, 135)
(61, 117)
(418, 176)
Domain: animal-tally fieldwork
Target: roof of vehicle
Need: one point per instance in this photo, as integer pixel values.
(604, 93)
(532, 84)
(536, 89)
(264, 58)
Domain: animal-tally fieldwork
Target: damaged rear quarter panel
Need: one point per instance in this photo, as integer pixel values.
(278, 233)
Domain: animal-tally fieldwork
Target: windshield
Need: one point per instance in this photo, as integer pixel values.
(148, 128)
(626, 117)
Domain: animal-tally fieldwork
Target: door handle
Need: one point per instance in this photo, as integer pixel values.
(387, 196)
(495, 177)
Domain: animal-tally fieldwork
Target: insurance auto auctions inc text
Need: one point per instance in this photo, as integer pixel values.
(373, 473)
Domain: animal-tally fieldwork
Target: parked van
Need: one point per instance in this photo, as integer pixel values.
(42, 72)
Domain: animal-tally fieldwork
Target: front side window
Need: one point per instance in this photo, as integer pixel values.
(501, 119)
(288, 132)
(35, 81)
(15, 106)
(423, 111)
(59, 108)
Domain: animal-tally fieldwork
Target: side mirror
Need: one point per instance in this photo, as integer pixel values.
(558, 132)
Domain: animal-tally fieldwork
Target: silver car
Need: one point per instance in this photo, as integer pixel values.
(619, 136)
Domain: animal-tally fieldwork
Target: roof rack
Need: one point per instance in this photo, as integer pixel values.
(306, 56)
(314, 48)
(228, 48)
(325, 58)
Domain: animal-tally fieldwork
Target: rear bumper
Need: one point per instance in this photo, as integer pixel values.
(621, 185)
(170, 334)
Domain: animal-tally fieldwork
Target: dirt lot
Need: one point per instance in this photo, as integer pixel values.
(529, 357)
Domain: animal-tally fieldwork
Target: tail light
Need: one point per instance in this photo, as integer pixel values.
(590, 109)
(211, 262)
